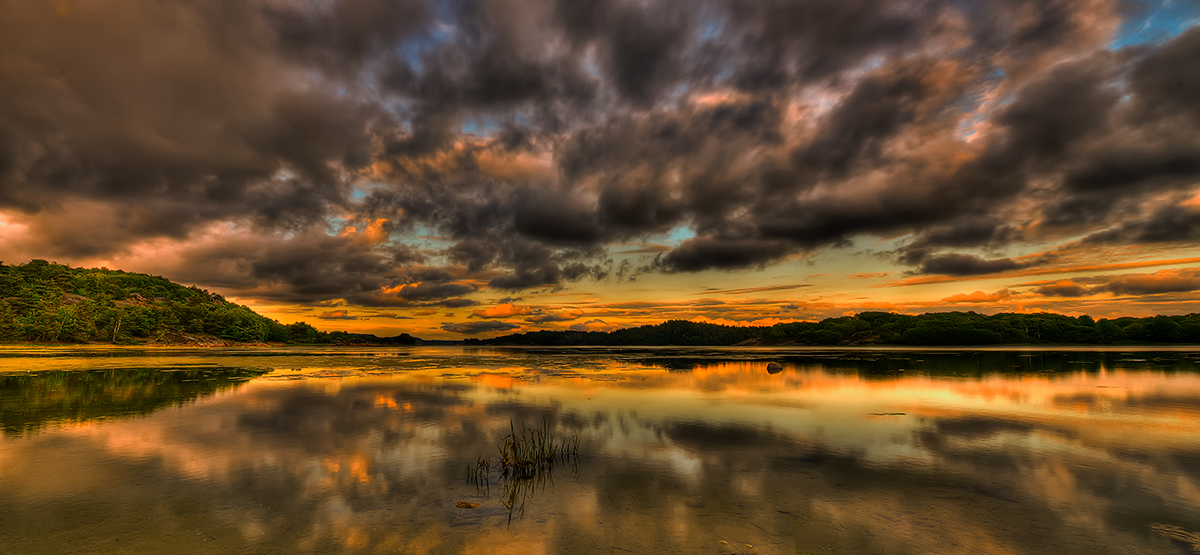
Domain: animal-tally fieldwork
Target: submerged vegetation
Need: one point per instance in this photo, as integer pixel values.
(525, 464)
(52, 303)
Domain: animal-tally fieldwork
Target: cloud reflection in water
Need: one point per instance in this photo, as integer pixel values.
(818, 457)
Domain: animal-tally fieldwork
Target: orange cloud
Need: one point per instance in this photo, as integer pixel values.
(1162, 281)
(595, 325)
(1063, 288)
(502, 311)
(372, 233)
(978, 297)
(337, 315)
(556, 316)
(926, 280)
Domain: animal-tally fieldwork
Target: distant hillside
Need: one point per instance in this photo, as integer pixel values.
(51, 303)
(885, 328)
(672, 332)
(45, 302)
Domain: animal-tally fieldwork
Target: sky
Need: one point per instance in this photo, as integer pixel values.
(455, 169)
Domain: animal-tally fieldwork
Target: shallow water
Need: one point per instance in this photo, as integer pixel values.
(369, 451)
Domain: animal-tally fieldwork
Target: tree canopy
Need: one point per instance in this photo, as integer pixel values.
(45, 302)
(886, 328)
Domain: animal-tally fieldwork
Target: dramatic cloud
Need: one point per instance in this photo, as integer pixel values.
(475, 328)
(593, 325)
(966, 265)
(978, 297)
(419, 153)
(556, 316)
(1165, 281)
(1063, 288)
(1156, 283)
(337, 315)
(502, 311)
(1172, 223)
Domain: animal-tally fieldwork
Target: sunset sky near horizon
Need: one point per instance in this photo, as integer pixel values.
(465, 168)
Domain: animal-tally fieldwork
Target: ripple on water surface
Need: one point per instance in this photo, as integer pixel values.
(679, 450)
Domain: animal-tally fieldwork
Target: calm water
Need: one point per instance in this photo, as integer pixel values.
(368, 451)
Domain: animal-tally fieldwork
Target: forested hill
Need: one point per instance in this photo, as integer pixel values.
(46, 302)
(672, 332)
(885, 328)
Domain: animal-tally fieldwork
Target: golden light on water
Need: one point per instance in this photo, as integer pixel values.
(367, 452)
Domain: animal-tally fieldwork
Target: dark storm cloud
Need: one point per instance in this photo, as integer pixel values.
(955, 264)
(802, 41)
(1056, 110)
(1169, 224)
(1154, 284)
(1064, 288)
(554, 218)
(344, 33)
(923, 251)
(475, 328)
(874, 111)
(529, 135)
(704, 253)
(545, 318)
(1146, 146)
(1157, 283)
(1135, 168)
(175, 114)
(314, 267)
(308, 267)
(1167, 81)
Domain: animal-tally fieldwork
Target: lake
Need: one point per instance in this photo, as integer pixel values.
(680, 450)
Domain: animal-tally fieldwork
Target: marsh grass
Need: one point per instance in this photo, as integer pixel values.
(525, 464)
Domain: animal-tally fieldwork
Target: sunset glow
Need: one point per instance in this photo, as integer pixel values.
(454, 169)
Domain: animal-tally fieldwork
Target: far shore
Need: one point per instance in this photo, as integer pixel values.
(872, 347)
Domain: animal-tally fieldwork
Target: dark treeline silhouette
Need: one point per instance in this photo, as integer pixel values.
(673, 332)
(51, 303)
(885, 328)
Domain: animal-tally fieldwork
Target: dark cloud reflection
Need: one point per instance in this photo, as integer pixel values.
(823, 455)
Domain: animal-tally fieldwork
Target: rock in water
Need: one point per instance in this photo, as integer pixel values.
(774, 367)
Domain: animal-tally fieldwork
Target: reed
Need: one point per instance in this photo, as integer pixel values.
(534, 451)
(525, 463)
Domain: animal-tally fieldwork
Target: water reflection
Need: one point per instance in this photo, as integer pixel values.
(850, 452)
(29, 401)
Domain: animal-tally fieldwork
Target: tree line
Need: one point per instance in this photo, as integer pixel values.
(672, 332)
(887, 328)
(44, 302)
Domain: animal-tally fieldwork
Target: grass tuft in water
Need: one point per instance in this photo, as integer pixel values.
(525, 463)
